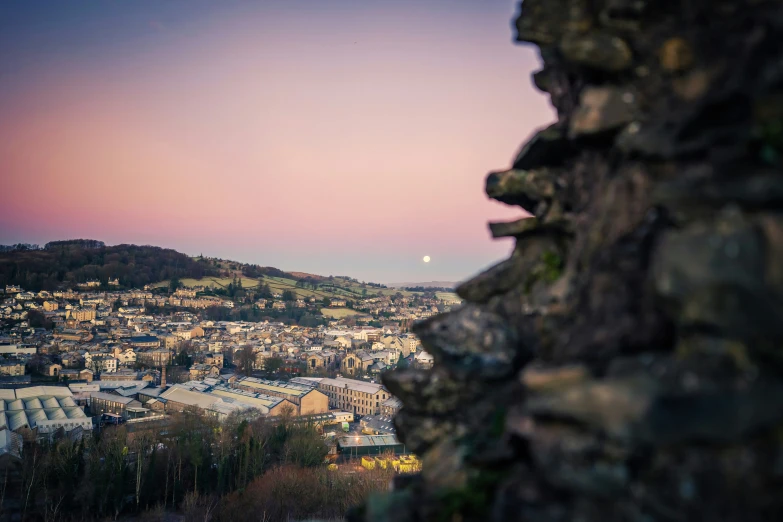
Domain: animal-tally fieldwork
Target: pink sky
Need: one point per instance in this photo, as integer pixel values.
(349, 143)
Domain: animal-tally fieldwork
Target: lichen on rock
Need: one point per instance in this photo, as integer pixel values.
(625, 362)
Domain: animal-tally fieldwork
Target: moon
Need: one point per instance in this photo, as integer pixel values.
(426, 259)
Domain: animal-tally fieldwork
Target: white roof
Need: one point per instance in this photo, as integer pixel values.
(189, 397)
(423, 356)
(84, 387)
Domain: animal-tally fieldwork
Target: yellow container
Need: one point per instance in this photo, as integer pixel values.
(368, 462)
(383, 463)
(406, 467)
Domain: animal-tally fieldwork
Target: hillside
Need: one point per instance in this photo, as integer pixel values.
(63, 264)
(66, 263)
(319, 287)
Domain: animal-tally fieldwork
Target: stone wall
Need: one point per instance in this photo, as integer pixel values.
(625, 362)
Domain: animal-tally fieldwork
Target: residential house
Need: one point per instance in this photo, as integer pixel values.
(81, 314)
(215, 359)
(84, 374)
(202, 371)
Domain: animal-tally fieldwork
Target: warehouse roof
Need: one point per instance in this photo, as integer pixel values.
(39, 407)
(286, 388)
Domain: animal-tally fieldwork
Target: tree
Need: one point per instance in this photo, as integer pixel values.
(289, 296)
(246, 360)
(174, 284)
(39, 320)
(273, 364)
(183, 359)
(263, 291)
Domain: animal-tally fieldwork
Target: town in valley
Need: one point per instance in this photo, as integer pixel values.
(95, 354)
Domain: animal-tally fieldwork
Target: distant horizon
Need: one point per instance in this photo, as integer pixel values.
(351, 137)
(284, 269)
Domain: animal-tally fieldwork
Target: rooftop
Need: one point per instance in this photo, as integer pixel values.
(353, 384)
(368, 440)
(287, 388)
(39, 407)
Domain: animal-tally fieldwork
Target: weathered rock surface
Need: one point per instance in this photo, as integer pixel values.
(626, 362)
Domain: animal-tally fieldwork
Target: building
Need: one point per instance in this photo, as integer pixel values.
(101, 402)
(358, 397)
(50, 306)
(142, 341)
(81, 314)
(12, 368)
(203, 371)
(409, 345)
(100, 362)
(76, 375)
(16, 349)
(11, 445)
(42, 408)
(52, 369)
(157, 357)
(423, 360)
(353, 446)
(357, 363)
(390, 406)
(72, 334)
(125, 356)
(306, 399)
(220, 401)
(321, 360)
(215, 359)
(125, 374)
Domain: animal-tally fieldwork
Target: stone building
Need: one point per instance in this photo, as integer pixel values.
(101, 402)
(358, 397)
(306, 399)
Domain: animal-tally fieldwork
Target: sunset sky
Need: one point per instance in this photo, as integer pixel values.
(344, 137)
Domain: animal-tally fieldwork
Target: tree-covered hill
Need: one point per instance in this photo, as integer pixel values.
(65, 263)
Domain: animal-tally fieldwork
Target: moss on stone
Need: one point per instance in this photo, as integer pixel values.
(549, 269)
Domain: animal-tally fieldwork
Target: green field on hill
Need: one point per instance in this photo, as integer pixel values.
(447, 295)
(339, 313)
(210, 282)
(328, 288)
